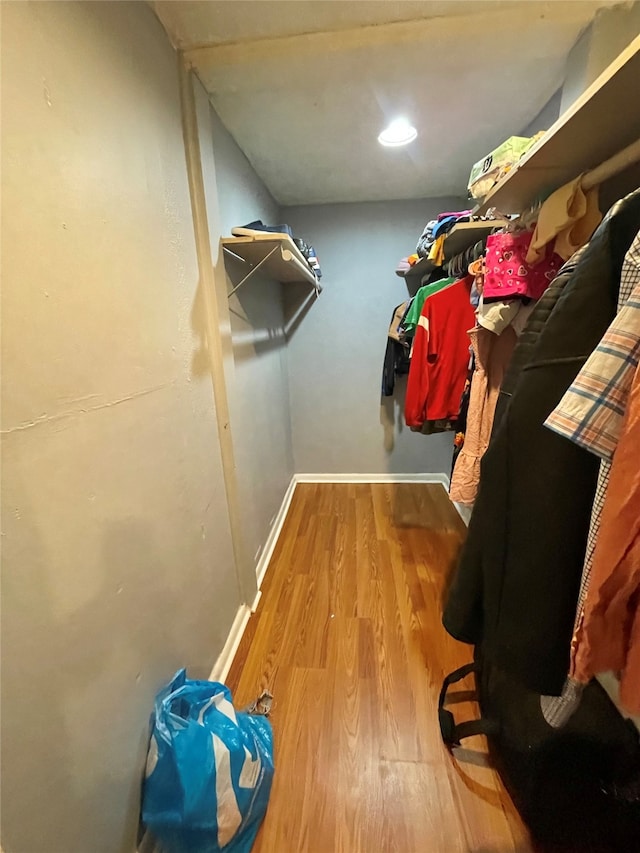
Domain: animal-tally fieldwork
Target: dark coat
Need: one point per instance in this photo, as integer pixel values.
(516, 586)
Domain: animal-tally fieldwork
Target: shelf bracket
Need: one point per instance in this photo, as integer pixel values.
(251, 271)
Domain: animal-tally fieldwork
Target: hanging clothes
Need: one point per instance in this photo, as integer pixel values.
(460, 423)
(492, 354)
(412, 316)
(590, 414)
(396, 356)
(610, 632)
(517, 582)
(440, 356)
(570, 216)
(591, 411)
(496, 316)
(508, 274)
(395, 326)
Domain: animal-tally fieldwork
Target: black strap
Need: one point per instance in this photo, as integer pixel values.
(451, 732)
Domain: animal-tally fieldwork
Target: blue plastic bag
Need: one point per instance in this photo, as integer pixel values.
(209, 770)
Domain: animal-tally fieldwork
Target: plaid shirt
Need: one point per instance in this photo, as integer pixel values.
(592, 410)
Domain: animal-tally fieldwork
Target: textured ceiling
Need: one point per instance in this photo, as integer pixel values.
(305, 87)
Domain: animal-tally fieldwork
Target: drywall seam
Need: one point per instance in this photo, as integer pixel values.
(244, 572)
(397, 33)
(47, 419)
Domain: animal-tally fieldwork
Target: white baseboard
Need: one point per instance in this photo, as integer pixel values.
(274, 534)
(223, 664)
(372, 478)
(463, 511)
(225, 658)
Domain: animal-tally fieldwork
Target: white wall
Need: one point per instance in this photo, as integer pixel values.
(336, 355)
(258, 381)
(117, 560)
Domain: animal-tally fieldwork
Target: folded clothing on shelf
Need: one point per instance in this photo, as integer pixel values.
(426, 238)
(403, 266)
(438, 227)
(492, 168)
(310, 256)
(258, 228)
(456, 213)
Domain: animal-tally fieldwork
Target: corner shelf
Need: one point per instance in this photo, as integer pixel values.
(276, 254)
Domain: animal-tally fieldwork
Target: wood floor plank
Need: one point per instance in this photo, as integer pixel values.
(348, 637)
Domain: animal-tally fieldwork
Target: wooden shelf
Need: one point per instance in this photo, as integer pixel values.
(466, 234)
(277, 256)
(461, 237)
(422, 267)
(603, 120)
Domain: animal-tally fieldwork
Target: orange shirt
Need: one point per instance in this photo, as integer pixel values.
(609, 638)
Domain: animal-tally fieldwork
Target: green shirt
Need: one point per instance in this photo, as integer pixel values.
(414, 312)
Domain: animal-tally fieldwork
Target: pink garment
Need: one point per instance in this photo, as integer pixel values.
(448, 213)
(508, 273)
(492, 353)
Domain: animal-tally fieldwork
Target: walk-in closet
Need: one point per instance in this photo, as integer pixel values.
(320, 490)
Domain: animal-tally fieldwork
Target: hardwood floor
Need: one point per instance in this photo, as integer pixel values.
(348, 638)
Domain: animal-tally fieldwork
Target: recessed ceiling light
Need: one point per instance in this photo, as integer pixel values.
(399, 132)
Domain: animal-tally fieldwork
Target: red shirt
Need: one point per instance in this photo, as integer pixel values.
(440, 357)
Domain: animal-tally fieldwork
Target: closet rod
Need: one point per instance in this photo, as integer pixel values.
(613, 166)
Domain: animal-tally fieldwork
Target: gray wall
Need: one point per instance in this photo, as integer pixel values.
(610, 32)
(116, 549)
(259, 389)
(336, 354)
(546, 117)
